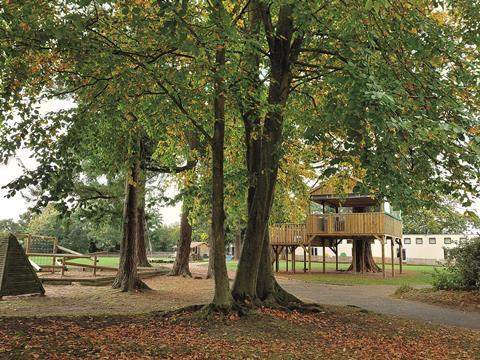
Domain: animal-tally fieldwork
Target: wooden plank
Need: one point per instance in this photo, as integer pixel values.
(323, 246)
(354, 255)
(383, 257)
(88, 266)
(393, 259)
(68, 251)
(400, 258)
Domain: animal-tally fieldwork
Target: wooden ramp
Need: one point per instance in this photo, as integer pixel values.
(17, 276)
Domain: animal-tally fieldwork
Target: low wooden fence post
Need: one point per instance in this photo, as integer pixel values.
(95, 265)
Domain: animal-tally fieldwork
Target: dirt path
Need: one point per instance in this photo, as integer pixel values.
(377, 298)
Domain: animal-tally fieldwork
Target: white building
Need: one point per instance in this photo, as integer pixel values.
(419, 248)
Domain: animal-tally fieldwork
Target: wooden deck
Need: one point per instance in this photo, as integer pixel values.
(336, 226)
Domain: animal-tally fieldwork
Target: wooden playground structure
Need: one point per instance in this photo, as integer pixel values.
(45, 254)
(334, 218)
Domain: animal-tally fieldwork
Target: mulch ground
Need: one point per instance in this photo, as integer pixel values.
(336, 333)
(167, 293)
(461, 300)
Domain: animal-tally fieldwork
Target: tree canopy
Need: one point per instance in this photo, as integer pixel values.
(259, 97)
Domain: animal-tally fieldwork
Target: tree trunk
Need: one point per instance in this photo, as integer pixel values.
(237, 250)
(254, 278)
(364, 258)
(142, 259)
(222, 297)
(127, 278)
(182, 258)
(211, 258)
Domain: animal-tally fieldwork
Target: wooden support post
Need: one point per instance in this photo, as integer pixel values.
(304, 260)
(383, 256)
(363, 256)
(63, 265)
(293, 259)
(286, 258)
(277, 263)
(53, 263)
(393, 258)
(95, 266)
(336, 255)
(323, 246)
(309, 258)
(28, 244)
(354, 256)
(400, 259)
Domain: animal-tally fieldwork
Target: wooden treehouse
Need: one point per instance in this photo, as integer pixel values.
(359, 219)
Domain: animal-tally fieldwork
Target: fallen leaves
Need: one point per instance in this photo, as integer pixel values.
(270, 333)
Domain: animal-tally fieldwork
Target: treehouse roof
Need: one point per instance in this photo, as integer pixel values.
(340, 192)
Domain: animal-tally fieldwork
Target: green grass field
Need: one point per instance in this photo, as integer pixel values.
(110, 261)
(413, 274)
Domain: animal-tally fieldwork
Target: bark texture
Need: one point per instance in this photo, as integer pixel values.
(127, 278)
(222, 297)
(364, 261)
(182, 258)
(237, 250)
(254, 278)
(211, 259)
(142, 259)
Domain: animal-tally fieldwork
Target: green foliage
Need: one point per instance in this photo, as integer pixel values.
(402, 289)
(386, 91)
(74, 232)
(463, 269)
(11, 226)
(441, 218)
(164, 237)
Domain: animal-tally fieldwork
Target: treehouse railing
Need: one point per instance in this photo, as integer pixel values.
(287, 234)
(353, 224)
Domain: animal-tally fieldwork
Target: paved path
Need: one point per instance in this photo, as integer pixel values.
(377, 298)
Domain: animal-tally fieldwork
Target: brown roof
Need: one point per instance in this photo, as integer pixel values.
(194, 244)
(339, 192)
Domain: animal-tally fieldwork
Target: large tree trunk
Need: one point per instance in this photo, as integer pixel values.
(237, 250)
(364, 261)
(182, 258)
(222, 297)
(254, 278)
(127, 278)
(211, 259)
(142, 259)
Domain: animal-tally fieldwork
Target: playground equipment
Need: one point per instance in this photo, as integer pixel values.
(44, 253)
(17, 276)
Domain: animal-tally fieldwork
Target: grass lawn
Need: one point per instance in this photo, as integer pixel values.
(110, 261)
(336, 333)
(413, 274)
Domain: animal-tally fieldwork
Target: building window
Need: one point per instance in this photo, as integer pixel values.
(447, 241)
(432, 241)
(314, 251)
(446, 252)
(419, 241)
(407, 241)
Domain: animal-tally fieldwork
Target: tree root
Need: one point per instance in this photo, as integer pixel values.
(123, 285)
(182, 272)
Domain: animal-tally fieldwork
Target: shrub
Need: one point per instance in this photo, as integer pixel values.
(462, 271)
(404, 288)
